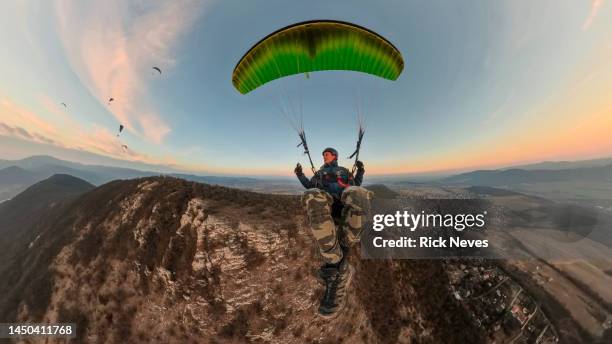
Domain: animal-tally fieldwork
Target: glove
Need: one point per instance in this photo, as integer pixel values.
(359, 165)
(298, 169)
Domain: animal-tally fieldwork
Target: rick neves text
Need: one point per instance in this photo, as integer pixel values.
(429, 242)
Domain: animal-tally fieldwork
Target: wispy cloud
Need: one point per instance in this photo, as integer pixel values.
(19, 116)
(595, 7)
(112, 46)
(20, 133)
(21, 123)
(153, 127)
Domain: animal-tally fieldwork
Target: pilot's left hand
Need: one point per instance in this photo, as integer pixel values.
(359, 165)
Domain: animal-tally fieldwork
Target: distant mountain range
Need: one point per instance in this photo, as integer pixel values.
(588, 182)
(561, 165)
(519, 176)
(559, 180)
(17, 175)
(591, 185)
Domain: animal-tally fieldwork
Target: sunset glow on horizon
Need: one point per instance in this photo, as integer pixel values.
(502, 84)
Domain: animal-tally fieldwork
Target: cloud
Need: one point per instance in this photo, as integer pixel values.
(112, 45)
(154, 128)
(20, 116)
(595, 7)
(99, 142)
(18, 122)
(102, 141)
(20, 133)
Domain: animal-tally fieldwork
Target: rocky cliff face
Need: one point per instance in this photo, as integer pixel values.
(170, 261)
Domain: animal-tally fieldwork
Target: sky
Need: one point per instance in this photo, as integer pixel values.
(486, 84)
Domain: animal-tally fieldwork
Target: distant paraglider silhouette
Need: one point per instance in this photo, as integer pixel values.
(65, 106)
(110, 100)
(120, 129)
(157, 69)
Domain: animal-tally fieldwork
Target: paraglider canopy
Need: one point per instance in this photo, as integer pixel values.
(157, 69)
(316, 46)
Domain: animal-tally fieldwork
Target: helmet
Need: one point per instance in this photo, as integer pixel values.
(331, 150)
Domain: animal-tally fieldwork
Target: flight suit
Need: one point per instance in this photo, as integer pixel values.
(335, 198)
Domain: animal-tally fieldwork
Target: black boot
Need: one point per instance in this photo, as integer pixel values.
(337, 278)
(345, 254)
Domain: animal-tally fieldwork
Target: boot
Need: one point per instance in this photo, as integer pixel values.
(337, 278)
(345, 253)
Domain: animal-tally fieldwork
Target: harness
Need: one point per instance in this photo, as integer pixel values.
(334, 179)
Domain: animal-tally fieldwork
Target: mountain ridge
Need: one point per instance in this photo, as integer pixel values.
(167, 260)
(36, 168)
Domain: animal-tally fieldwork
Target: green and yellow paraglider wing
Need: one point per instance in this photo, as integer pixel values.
(317, 46)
